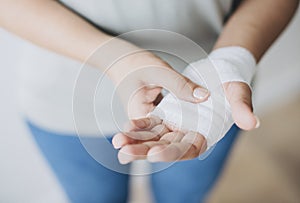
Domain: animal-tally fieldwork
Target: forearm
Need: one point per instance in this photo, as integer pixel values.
(256, 24)
(49, 24)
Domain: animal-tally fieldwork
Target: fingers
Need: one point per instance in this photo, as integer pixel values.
(197, 140)
(138, 105)
(146, 123)
(173, 136)
(142, 101)
(144, 135)
(122, 139)
(130, 153)
(119, 140)
(183, 88)
(180, 86)
(239, 96)
(152, 94)
(182, 147)
(172, 146)
(134, 152)
(135, 137)
(168, 153)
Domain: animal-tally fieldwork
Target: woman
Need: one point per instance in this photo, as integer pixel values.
(76, 29)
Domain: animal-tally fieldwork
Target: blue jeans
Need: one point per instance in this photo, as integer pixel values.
(87, 181)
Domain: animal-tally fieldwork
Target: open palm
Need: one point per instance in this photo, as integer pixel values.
(150, 138)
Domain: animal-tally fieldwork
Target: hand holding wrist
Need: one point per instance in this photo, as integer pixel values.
(233, 64)
(212, 118)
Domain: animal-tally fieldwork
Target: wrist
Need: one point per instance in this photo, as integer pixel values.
(233, 64)
(132, 62)
(228, 64)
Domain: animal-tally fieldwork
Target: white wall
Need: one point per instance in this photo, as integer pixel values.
(278, 78)
(24, 176)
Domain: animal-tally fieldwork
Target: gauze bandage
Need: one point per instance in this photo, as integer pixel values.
(211, 118)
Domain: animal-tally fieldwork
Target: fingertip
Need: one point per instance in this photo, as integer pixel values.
(242, 113)
(125, 155)
(200, 94)
(123, 159)
(247, 122)
(116, 142)
(187, 90)
(257, 122)
(163, 153)
(153, 154)
(239, 96)
(141, 123)
(148, 122)
(203, 147)
(119, 140)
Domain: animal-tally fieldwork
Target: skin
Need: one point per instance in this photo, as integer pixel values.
(253, 32)
(64, 28)
(70, 35)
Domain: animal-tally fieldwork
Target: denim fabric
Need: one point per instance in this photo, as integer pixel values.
(87, 181)
(83, 179)
(190, 181)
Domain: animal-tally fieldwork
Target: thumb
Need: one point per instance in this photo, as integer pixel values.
(239, 97)
(179, 85)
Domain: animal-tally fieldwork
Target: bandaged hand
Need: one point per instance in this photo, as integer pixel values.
(179, 130)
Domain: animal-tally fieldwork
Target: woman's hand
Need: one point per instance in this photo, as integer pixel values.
(140, 77)
(152, 139)
(155, 141)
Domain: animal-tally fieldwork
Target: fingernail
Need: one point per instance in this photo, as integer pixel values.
(117, 145)
(257, 122)
(200, 93)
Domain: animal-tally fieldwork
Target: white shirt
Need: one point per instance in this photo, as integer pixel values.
(47, 80)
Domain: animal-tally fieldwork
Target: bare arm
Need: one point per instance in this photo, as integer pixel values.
(49, 24)
(256, 24)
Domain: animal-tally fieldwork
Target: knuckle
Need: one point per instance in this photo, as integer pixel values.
(182, 85)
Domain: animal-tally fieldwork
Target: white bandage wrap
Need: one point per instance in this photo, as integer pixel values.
(212, 118)
(234, 64)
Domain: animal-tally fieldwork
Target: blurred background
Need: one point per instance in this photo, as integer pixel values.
(264, 164)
